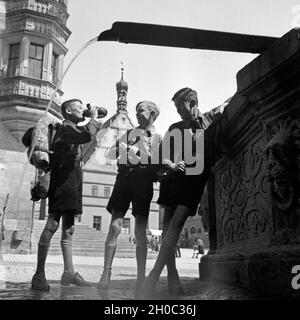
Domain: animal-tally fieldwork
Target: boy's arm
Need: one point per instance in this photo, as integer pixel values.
(165, 158)
(113, 152)
(216, 113)
(74, 134)
(152, 153)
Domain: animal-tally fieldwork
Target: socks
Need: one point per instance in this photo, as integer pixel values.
(41, 257)
(66, 248)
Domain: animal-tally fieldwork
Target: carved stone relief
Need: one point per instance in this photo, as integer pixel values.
(283, 158)
(242, 202)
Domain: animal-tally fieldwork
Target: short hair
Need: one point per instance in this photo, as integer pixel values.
(151, 106)
(67, 104)
(185, 94)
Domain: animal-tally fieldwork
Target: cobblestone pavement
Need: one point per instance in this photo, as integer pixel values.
(16, 272)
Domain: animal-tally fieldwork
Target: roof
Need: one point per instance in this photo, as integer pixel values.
(91, 147)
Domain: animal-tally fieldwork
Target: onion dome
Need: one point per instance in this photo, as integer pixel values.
(122, 85)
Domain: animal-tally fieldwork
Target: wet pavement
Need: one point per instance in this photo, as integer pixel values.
(124, 290)
(16, 272)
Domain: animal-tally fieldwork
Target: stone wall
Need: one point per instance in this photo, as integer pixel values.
(254, 208)
(16, 175)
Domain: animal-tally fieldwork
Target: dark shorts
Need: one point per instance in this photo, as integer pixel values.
(182, 190)
(69, 220)
(136, 188)
(65, 191)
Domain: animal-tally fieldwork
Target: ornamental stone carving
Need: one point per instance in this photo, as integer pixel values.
(283, 172)
(242, 196)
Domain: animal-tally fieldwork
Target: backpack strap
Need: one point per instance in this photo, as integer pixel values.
(52, 128)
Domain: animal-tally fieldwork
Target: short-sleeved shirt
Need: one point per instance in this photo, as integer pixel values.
(148, 142)
(134, 182)
(187, 190)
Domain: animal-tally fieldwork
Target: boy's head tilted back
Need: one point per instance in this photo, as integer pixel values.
(73, 110)
(146, 113)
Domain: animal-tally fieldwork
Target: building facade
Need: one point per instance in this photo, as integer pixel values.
(33, 35)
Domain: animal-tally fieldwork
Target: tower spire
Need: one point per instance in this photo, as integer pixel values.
(122, 70)
(122, 88)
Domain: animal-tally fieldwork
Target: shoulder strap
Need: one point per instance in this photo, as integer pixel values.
(52, 128)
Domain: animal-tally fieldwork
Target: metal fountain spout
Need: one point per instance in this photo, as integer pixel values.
(172, 36)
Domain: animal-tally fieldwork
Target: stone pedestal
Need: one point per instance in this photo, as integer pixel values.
(254, 218)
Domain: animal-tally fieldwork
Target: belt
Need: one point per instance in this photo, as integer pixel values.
(76, 163)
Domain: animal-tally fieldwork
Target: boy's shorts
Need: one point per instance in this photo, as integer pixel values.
(183, 190)
(135, 187)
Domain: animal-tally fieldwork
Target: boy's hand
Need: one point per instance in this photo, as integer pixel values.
(180, 166)
(132, 150)
(132, 155)
(123, 146)
(93, 112)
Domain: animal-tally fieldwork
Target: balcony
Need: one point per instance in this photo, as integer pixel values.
(39, 26)
(53, 8)
(29, 87)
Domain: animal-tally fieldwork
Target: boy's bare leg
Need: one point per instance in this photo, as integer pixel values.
(39, 281)
(167, 250)
(174, 285)
(115, 229)
(141, 249)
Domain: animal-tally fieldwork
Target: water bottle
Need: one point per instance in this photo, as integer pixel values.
(102, 112)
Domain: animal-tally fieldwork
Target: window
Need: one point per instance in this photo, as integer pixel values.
(36, 54)
(126, 226)
(199, 230)
(186, 233)
(193, 230)
(107, 192)
(13, 59)
(97, 222)
(54, 68)
(95, 191)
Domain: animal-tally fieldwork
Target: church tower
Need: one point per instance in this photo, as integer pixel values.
(122, 89)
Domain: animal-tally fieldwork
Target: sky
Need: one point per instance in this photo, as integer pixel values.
(156, 73)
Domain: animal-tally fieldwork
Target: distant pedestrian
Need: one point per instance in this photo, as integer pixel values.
(200, 248)
(195, 248)
(156, 244)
